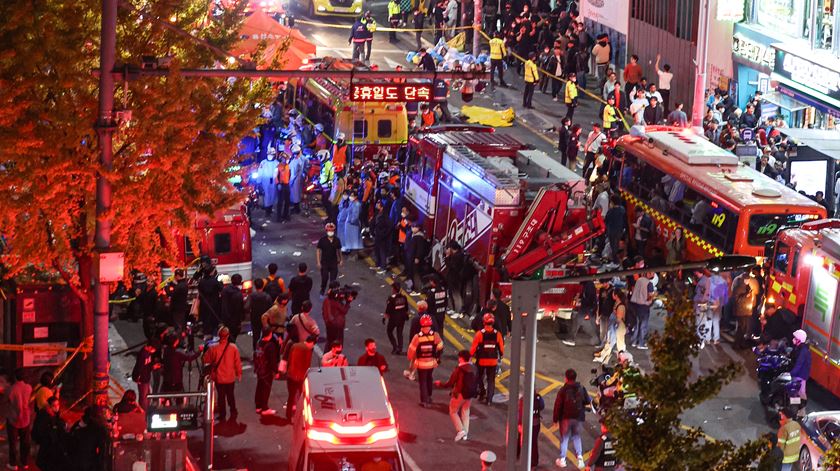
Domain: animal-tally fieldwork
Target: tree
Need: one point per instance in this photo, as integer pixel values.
(651, 437)
(171, 161)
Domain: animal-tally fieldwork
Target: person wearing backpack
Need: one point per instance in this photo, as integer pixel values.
(464, 384)
(569, 413)
(225, 368)
(266, 365)
(302, 325)
(274, 285)
(487, 347)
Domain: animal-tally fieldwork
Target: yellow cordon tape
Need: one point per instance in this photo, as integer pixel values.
(159, 287)
(379, 28)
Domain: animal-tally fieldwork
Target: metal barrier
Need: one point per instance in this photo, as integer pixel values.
(173, 414)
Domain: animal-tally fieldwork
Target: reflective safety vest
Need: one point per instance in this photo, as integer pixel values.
(571, 92)
(609, 117)
(402, 230)
(371, 27)
(790, 441)
(393, 9)
(426, 346)
(339, 159)
(532, 74)
(497, 49)
(438, 301)
(606, 457)
(326, 174)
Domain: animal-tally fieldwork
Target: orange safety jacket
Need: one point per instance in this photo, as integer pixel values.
(402, 230)
(283, 174)
(339, 159)
(487, 347)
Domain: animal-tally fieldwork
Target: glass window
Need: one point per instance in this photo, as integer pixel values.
(341, 461)
(780, 260)
(221, 243)
(428, 170)
(795, 262)
(787, 17)
(360, 128)
(762, 227)
(383, 128)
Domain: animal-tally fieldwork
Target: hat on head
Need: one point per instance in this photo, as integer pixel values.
(319, 127)
(340, 135)
(295, 149)
(488, 456)
(800, 335)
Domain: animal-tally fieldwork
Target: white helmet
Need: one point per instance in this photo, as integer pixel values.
(295, 149)
(319, 127)
(801, 336)
(340, 136)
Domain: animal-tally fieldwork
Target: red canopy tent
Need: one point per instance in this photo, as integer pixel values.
(260, 27)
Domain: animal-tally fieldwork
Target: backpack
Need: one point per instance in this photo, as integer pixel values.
(573, 401)
(470, 382)
(272, 287)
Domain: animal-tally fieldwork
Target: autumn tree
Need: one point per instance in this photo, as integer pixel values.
(652, 437)
(171, 160)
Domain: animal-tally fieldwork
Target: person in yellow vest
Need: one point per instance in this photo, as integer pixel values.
(571, 96)
(497, 56)
(610, 116)
(789, 439)
(284, 201)
(394, 16)
(532, 76)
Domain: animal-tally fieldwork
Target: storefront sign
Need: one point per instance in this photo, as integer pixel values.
(760, 55)
(612, 13)
(730, 10)
(809, 74)
(397, 93)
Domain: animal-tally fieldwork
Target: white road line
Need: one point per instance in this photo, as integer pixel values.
(409, 461)
(319, 39)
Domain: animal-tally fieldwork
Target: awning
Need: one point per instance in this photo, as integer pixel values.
(826, 142)
(784, 101)
(258, 27)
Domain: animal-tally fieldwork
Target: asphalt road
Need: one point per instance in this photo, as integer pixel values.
(260, 443)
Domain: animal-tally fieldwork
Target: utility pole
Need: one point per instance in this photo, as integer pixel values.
(478, 5)
(698, 107)
(105, 127)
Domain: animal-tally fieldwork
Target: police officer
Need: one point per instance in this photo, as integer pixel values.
(394, 17)
(436, 298)
(424, 353)
(487, 347)
(602, 457)
(497, 56)
(358, 37)
(370, 28)
(396, 313)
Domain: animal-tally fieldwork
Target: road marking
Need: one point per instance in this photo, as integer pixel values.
(410, 461)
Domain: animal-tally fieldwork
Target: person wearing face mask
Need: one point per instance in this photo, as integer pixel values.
(341, 220)
(266, 174)
(353, 223)
(283, 178)
(296, 179)
(328, 256)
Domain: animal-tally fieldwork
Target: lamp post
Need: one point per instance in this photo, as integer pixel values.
(524, 303)
(699, 104)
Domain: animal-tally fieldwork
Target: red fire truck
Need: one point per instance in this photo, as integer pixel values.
(803, 277)
(464, 187)
(225, 238)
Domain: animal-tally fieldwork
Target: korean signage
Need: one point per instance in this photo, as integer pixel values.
(808, 74)
(730, 10)
(390, 92)
(758, 54)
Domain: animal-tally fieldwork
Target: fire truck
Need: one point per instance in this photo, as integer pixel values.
(464, 187)
(803, 278)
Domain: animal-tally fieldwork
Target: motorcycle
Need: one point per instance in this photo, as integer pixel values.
(778, 390)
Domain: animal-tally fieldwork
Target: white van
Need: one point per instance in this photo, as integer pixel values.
(345, 422)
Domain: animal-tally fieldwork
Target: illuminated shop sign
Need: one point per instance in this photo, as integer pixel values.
(398, 92)
(752, 51)
(809, 74)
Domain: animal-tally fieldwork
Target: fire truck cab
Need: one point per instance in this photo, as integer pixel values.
(464, 187)
(803, 278)
(344, 422)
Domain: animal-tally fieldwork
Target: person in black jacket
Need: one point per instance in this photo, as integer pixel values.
(143, 368)
(178, 303)
(50, 433)
(266, 362)
(173, 364)
(454, 282)
(584, 315)
(383, 232)
(653, 114)
(463, 383)
(209, 306)
(233, 306)
(256, 304)
(395, 316)
(564, 135)
(300, 287)
(416, 250)
(570, 414)
(427, 63)
(502, 313)
(91, 440)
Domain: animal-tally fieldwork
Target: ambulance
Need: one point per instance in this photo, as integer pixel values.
(803, 277)
(344, 421)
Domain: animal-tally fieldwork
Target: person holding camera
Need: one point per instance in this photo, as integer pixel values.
(173, 364)
(335, 309)
(334, 357)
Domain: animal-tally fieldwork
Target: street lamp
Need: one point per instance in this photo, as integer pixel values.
(525, 296)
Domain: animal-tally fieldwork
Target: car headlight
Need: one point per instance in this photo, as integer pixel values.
(358, 9)
(322, 8)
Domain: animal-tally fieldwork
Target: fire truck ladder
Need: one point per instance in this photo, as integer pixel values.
(536, 245)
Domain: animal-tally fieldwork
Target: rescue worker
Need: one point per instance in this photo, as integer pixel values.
(571, 96)
(487, 458)
(487, 347)
(402, 230)
(532, 76)
(358, 37)
(425, 351)
(370, 28)
(325, 178)
(790, 439)
(610, 117)
(266, 174)
(284, 190)
(296, 179)
(602, 457)
(394, 16)
(497, 56)
(395, 316)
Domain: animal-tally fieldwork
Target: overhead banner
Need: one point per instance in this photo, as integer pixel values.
(612, 13)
